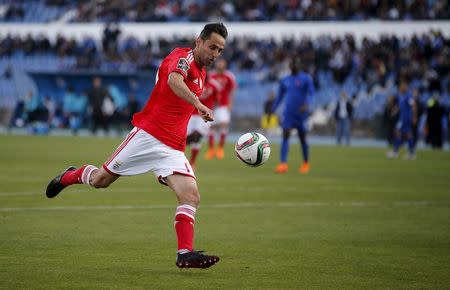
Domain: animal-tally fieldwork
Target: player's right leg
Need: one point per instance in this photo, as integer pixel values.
(305, 167)
(186, 190)
(411, 148)
(396, 145)
(282, 167)
(210, 153)
(222, 117)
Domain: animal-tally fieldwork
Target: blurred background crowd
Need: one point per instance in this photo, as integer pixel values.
(231, 10)
(56, 79)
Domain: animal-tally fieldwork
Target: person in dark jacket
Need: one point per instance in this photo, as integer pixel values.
(343, 115)
(99, 103)
(435, 114)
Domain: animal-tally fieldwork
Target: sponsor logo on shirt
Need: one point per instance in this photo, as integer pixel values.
(183, 65)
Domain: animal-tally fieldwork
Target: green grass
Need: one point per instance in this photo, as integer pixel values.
(357, 221)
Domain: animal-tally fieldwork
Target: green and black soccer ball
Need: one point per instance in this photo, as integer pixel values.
(253, 149)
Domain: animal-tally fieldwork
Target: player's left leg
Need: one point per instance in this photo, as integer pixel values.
(211, 135)
(347, 131)
(223, 119)
(186, 190)
(220, 153)
(411, 146)
(302, 132)
(339, 130)
(396, 145)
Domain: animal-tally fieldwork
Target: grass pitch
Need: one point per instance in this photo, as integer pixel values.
(357, 221)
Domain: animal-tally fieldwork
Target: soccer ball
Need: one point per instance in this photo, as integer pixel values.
(253, 149)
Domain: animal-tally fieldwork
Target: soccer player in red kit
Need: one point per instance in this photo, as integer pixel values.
(227, 81)
(158, 140)
(197, 128)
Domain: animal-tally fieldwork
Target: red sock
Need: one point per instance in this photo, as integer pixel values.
(194, 153)
(222, 139)
(73, 177)
(184, 226)
(80, 175)
(211, 141)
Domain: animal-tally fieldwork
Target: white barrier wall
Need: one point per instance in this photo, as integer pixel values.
(277, 30)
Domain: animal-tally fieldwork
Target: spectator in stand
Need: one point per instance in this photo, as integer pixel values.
(269, 120)
(110, 37)
(100, 106)
(343, 115)
(74, 108)
(132, 108)
(435, 119)
(417, 126)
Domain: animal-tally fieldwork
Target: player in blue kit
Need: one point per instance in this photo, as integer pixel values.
(298, 90)
(404, 126)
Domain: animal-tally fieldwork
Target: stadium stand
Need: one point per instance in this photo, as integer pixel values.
(199, 10)
(46, 58)
(368, 70)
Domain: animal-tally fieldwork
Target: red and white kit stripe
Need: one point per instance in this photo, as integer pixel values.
(190, 57)
(86, 175)
(186, 210)
(122, 145)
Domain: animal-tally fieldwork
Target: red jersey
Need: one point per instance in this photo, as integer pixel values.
(165, 116)
(210, 95)
(228, 84)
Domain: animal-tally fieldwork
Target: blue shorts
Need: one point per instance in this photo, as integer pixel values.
(299, 123)
(404, 127)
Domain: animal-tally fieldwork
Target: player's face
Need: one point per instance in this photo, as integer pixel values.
(403, 87)
(210, 49)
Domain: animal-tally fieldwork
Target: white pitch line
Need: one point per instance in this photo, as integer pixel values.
(137, 190)
(404, 203)
(118, 190)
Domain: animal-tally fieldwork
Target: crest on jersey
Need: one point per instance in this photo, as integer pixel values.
(117, 164)
(183, 65)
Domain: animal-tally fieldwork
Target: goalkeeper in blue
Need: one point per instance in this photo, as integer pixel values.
(297, 91)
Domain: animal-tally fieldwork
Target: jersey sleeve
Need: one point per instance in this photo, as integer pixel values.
(180, 64)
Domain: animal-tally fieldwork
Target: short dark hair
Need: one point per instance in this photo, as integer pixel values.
(296, 64)
(210, 28)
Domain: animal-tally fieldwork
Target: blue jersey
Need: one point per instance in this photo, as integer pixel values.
(298, 90)
(405, 103)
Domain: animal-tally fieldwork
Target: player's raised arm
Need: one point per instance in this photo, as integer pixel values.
(179, 87)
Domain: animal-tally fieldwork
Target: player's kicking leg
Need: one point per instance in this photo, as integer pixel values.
(188, 196)
(87, 174)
